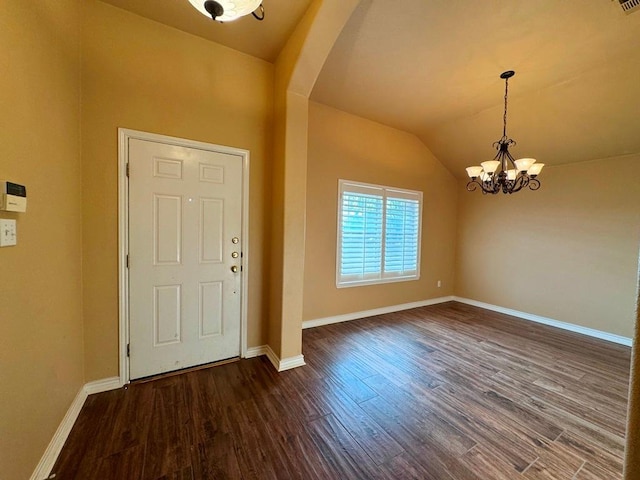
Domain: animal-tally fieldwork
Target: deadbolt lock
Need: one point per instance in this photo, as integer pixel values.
(235, 240)
(235, 255)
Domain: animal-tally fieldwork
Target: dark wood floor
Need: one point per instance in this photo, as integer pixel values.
(442, 392)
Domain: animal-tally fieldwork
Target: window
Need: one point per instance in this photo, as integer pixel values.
(378, 234)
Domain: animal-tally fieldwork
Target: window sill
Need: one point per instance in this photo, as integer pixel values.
(378, 281)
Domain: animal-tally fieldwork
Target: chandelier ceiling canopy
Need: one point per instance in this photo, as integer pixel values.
(229, 10)
(503, 173)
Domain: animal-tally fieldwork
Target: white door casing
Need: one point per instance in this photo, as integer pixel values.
(185, 213)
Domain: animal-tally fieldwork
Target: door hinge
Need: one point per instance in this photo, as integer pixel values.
(127, 260)
(127, 169)
(128, 350)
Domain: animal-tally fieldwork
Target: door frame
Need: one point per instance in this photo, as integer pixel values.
(124, 135)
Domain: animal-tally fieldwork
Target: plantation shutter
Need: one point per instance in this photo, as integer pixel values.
(379, 232)
(402, 231)
(361, 228)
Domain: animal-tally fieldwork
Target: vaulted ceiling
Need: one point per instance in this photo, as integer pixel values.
(432, 68)
(260, 39)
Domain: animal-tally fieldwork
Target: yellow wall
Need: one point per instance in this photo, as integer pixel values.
(59, 108)
(296, 71)
(568, 251)
(284, 127)
(352, 148)
(632, 449)
(41, 364)
(142, 75)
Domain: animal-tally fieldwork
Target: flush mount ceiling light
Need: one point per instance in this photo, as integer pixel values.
(503, 173)
(229, 10)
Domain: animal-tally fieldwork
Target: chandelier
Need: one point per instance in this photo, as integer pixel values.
(229, 10)
(503, 173)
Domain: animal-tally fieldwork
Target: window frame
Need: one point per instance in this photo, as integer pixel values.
(386, 192)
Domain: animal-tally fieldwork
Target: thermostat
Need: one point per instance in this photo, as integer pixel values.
(13, 197)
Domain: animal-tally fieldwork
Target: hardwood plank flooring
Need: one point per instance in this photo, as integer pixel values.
(446, 392)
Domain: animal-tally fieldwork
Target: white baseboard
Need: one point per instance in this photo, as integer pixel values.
(591, 332)
(279, 365)
(253, 352)
(318, 322)
(285, 363)
(54, 448)
(104, 385)
(273, 358)
(291, 362)
(48, 460)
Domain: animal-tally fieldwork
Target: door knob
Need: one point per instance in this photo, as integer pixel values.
(234, 269)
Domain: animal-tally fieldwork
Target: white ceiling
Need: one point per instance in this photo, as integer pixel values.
(431, 67)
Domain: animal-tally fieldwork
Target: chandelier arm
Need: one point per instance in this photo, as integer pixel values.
(472, 186)
(495, 184)
(501, 182)
(513, 162)
(487, 187)
(521, 182)
(534, 184)
(503, 160)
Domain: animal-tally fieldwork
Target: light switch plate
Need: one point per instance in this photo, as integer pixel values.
(8, 236)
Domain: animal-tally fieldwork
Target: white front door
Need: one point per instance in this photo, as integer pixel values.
(185, 209)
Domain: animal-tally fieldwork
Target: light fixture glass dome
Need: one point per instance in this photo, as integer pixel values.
(535, 169)
(474, 172)
(233, 9)
(490, 166)
(523, 164)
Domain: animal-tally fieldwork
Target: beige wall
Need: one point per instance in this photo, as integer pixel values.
(297, 69)
(41, 365)
(349, 147)
(568, 252)
(632, 450)
(141, 75)
(582, 226)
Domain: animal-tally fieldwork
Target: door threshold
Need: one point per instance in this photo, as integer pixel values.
(173, 373)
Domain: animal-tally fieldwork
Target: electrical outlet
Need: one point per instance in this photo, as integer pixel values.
(439, 283)
(8, 236)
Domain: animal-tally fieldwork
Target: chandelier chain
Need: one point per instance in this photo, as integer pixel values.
(506, 94)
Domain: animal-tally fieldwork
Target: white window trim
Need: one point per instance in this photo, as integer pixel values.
(376, 279)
